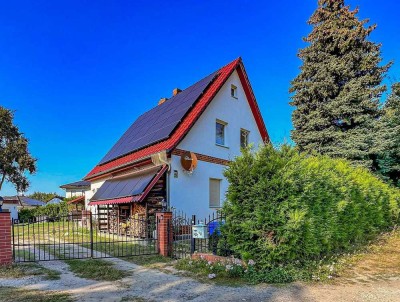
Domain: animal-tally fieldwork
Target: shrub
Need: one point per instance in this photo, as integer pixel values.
(283, 206)
(26, 215)
(53, 210)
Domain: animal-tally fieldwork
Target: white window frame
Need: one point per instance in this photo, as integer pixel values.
(234, 91)
(224, 124)
(242, 130)
(212, 203)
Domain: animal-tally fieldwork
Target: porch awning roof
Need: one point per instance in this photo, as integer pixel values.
(77, 200)
(129, 189)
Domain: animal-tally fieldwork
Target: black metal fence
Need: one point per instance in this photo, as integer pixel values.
(184, 244)
(83, 235)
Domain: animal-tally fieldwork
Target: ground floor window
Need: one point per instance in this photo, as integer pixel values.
(215, 193)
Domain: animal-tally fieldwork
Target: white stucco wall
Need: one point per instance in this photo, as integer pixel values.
(70, 193)
(12, 208)
(191, 193)
(235, 112)
(94, 186)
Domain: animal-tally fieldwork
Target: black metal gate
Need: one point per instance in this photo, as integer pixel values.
(184, 245)
(80, 235)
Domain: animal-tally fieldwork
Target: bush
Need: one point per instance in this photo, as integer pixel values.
(53, 210)
(26, 215)
(283, 206)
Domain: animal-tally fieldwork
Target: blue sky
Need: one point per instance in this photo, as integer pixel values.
(78, 73)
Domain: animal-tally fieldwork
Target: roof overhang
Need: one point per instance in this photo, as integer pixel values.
(77, 200)
(134, 188)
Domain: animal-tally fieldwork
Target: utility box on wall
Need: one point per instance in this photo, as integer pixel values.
(199, 231)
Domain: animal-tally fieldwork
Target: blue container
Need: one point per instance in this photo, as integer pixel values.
(213, 226)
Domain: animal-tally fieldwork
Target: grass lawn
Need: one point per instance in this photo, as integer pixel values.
(96, 269)
(66, 239)
(14, 294)
(28, 269)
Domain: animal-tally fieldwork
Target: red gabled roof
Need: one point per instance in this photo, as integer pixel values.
(190, 119)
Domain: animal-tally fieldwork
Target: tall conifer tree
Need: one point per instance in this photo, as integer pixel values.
(389, 134)
(336, 95)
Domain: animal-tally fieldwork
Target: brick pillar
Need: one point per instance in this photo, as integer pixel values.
(164, 233)
(5, 239)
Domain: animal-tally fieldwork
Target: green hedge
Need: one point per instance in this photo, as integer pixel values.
(49, 210)
(53, 210)
(283, 206)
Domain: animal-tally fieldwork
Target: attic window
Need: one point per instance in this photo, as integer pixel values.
(233, 91)
(244, 138)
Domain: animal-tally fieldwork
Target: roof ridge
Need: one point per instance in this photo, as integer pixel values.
(179, 132)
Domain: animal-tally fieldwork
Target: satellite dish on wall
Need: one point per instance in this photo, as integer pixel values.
(189, 161)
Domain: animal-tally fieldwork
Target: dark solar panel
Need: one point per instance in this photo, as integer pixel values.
(158, 123)
(123, 187)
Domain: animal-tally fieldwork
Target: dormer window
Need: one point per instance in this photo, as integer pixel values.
(233, 91)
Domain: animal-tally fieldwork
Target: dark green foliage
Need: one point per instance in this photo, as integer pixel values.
(15, 158)
(54, 211)
(336, 95)
(42, 196)
(26, 214)
(283, 206)
(389, 134)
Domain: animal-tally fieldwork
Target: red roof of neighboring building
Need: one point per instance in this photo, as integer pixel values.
(188, 121)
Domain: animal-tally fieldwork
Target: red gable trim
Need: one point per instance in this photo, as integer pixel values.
(114, 201)
(153, 182)
(134, 198)
(188, 122)
(253, 103)
(80, 198)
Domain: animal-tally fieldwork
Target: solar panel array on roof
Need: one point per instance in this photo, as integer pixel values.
(124, 187)
(158, 123)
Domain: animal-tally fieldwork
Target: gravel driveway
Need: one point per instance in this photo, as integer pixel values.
(154, 285)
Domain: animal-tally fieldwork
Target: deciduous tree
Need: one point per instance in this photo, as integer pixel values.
(15, 159)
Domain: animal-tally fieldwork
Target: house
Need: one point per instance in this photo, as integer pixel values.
(11, 205)
(55, 200)
(175, 154)
(15, 203)
(76, 189)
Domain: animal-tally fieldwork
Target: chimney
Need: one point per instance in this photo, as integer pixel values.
(162, 100)
(176, 91)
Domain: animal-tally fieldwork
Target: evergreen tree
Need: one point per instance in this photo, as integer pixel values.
(336, 95)
(389, 130)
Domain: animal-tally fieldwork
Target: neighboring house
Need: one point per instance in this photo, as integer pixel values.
(175, 154)
(76, 189)
(16, 203)
(55, 200)
(11, 204)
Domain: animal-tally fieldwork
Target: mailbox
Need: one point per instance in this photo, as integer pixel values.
(199, 231)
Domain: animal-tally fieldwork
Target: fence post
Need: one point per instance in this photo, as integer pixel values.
(192, 240)
(91, 234)
(6, 256)
(164, 233)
